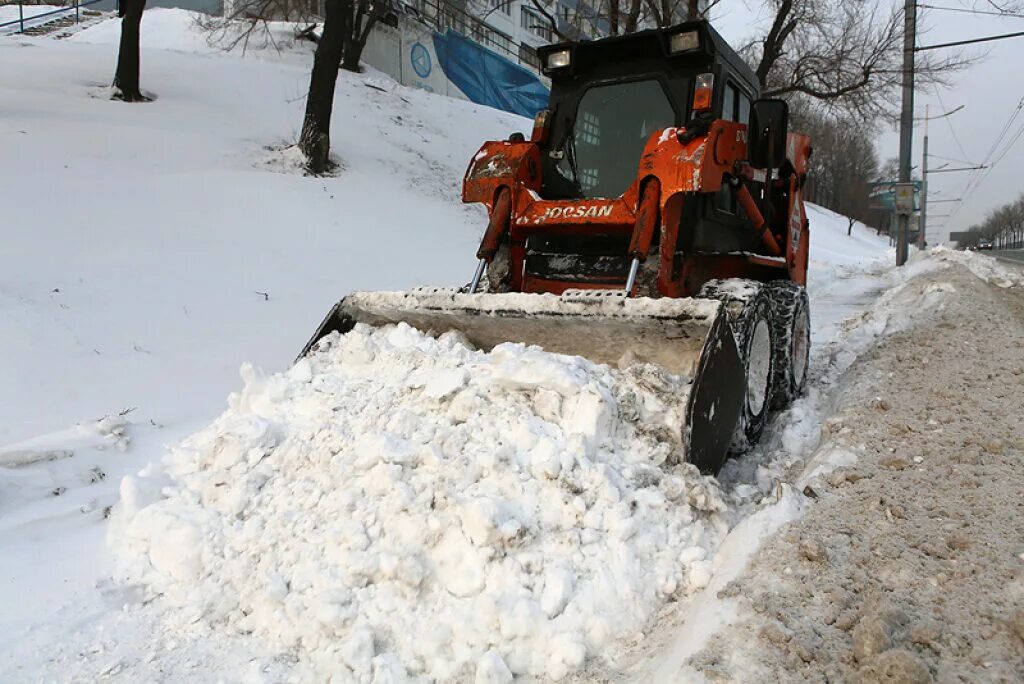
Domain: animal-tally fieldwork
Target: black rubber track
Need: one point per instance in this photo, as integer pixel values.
(789, 302)
(745, 302)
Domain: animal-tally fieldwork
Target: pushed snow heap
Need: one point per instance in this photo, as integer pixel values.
(398, 505)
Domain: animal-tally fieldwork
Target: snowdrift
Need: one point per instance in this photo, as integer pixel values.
(402, 502)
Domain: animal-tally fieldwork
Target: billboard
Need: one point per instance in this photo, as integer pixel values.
(882, 195)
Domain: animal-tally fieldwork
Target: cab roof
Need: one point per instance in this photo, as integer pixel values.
(588, 55)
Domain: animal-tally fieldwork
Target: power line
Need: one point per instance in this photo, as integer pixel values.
(970, 11)
(976, 179)
(992, 152)
(949, 123)
(1005, 151)
(951, 159)
(1009, 145)
(962, 168)
(959, 145)
(969, 41)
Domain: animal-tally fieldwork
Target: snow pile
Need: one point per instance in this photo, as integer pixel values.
(984, 267)
(402, 505)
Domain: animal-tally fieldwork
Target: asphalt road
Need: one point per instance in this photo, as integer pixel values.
(1014, 255)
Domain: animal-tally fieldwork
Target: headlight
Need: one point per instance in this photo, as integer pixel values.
(557, 60)
(683, 42)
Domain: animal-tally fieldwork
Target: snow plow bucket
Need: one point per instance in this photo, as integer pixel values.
(689, 337)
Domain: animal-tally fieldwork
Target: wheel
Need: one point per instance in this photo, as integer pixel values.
(792, 322)
(750, 313)
(756, 341)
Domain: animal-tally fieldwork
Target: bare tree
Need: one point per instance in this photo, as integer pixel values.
(843, 164)
(1004, 225)
(845, 54)
(619, 17)
(126, 76)
(668, 12)
(247, 20)
(315, 139)
(363, 15)
(247, 23)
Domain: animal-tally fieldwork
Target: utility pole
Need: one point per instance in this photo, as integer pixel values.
(906, 122)
(922, 219)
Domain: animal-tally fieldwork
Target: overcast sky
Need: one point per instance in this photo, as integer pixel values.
(990, 91)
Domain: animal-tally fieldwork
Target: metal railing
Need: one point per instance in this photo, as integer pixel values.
(33, 19)
(442, 16)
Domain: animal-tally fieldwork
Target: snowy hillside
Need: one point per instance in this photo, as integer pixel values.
(162, 225)
(152, 250)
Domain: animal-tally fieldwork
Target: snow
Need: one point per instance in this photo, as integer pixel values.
(10, 12)
(162, 28)
(985, 268)
(707, 612)
(392, 486)
(177, 29)
(154, 249)
(833, 247)
(161, 287)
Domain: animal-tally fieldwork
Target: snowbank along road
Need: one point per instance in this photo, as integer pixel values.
(909, 563)
(395, 507)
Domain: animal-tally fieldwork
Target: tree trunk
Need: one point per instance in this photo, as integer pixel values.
(849, 228)
(126, 77)
(350, 63)
(353, 51)
(360, 18)
(692, 10)
(315, 140)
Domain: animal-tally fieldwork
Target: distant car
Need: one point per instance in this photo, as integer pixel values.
(984, 243)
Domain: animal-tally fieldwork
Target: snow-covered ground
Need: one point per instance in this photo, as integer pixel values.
(152, 250)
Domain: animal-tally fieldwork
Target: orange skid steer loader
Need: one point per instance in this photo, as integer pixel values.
(653, 216)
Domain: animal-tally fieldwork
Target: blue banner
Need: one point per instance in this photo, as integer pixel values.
(488, 78)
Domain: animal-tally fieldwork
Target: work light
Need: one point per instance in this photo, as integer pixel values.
(683, 41)
(557, 60)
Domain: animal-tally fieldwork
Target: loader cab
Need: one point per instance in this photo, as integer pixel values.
(608, 96)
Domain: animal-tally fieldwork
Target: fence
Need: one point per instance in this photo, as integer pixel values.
(33, 18)
(443, 16)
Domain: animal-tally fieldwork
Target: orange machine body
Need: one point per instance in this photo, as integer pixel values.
(683, 169)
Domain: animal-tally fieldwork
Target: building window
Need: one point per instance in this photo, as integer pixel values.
(536, 23)
(488, 37)
(503, 6)
(502, 42)
(528, 56)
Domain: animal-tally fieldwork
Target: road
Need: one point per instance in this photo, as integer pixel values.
(1012, 255)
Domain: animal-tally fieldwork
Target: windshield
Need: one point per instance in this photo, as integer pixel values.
(613, 123)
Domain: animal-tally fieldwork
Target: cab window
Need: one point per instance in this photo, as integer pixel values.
(613, 124)
(735, 107)
(735, 104)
